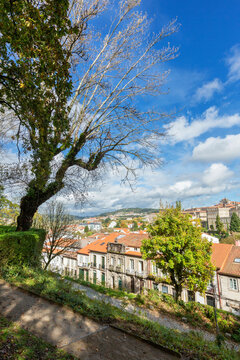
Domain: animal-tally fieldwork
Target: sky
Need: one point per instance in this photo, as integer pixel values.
(201, 154)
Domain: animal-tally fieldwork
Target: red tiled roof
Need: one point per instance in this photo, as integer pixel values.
(231, 267)
(99, 245)
(219, 254)
(133, 253)
(133, 240)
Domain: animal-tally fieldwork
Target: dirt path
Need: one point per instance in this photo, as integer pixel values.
(72, 332)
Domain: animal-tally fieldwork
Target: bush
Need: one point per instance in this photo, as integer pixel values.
(22, 247)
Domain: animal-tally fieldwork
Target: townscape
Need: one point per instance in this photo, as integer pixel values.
(119, 180)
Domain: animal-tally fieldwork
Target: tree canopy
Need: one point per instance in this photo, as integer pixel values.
(176, 246)
(219, 225)
(235, 223)
(70, 94)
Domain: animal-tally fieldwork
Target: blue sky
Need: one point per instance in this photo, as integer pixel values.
(201, 154)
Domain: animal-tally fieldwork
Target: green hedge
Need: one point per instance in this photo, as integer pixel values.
(22, 247)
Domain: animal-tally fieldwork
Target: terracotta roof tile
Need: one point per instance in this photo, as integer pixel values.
(133, 240)
(231, 267)
(99, 245)
(219, 254)
(133, 253)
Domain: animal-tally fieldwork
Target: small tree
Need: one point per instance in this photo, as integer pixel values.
(176, 246)
(86, 229)
(235, 223)
(135, 226)
(219, 225)
(56, 222)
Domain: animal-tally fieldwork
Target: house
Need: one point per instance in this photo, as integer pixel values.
(229, 281)
(92, 259)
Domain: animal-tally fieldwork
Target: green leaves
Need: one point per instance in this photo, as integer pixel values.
(176, 245)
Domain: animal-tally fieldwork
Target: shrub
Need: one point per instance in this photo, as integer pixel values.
(20, 248)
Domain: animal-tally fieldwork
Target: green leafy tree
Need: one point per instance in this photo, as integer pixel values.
(71, 90)
(176, 246)
(235, 223)
(219, 225)
(135, 226)
(86, 229)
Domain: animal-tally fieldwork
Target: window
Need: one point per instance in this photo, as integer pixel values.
(103, 262)
(191, 296)
(135, 249)
(103, 279)
(233, 284)
(140, 266)
(237, 260)
(94, 260)
(155, 286)
(154, 269)
(119, 261)
(164, 289)
(210, 301)
(131, 264)
(112, 260)
(94, 277)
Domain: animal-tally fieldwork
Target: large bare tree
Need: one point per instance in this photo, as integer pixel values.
(76, 93)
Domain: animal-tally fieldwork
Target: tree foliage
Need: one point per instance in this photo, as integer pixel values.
(235, 223)
(176, 246)
(219, 225)
(72, 92)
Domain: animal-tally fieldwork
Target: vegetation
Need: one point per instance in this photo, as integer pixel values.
(219, 225)
(131, 210)
(51, 62)
(195, 314)
(51, 287)
(235, 223)
(176, 246)
(21, 247)
(9, 211)
(16, 343)
(55, 222)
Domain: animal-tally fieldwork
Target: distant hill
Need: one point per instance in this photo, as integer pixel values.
(130, 210)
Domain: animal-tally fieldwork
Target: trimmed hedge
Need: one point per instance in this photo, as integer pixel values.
(20, 247)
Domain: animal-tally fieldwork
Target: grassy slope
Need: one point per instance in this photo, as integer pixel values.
(51, 287)
(16, 343)
(196, 315)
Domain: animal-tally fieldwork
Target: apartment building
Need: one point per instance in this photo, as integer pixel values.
(91, 259)
(116, 261)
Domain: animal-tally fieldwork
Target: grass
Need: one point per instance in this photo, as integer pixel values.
(195, 314)
(120, 294)
(50, 286)
(17, 343)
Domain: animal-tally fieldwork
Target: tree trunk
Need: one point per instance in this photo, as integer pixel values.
(28, 207)
(31, 202)
(178, 290)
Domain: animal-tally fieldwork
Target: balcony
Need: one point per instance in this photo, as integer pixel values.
(101, 267)
(141, 274)
(118, 268)
(111, 267)
(84, 265)
(130, 272)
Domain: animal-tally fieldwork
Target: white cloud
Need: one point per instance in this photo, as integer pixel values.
(218, 149)
(233, 62)
(216, 173)
(207, 91)
(183, 130)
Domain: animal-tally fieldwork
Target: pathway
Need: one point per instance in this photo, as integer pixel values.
(72, 332)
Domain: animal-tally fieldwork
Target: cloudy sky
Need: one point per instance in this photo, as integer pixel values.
(202, 151)
(201, 155)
